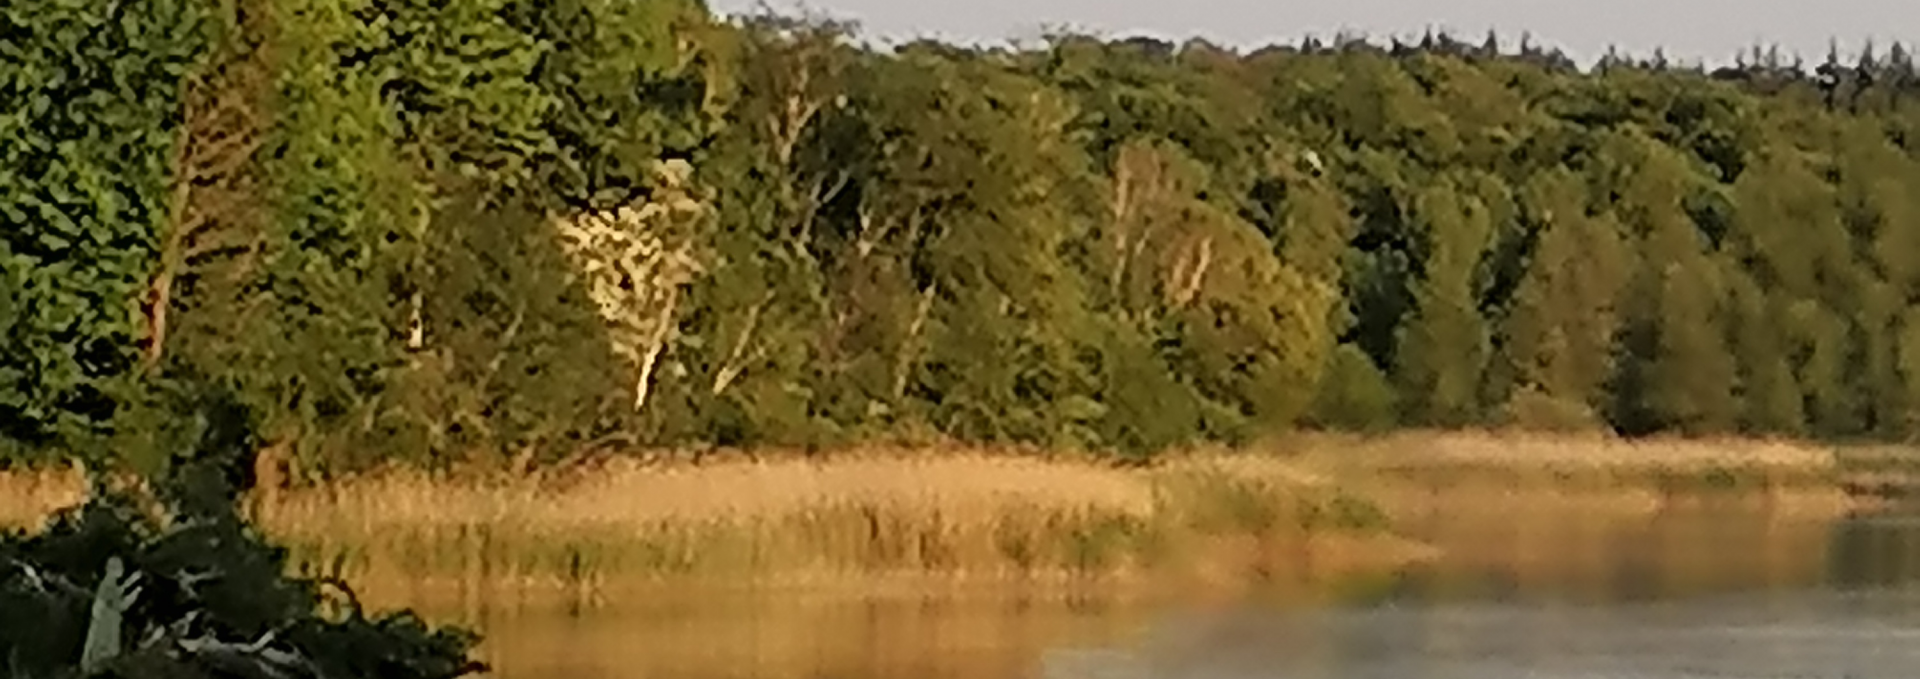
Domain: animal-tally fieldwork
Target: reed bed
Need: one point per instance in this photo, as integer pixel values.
(878, 515)
(1579, 462)
(960, 518)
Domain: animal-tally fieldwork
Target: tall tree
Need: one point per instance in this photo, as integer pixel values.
(1676, 371)
(974, 158)
(1773, 402)
(786, 162)
(1567, 311)
(1788, 224)
(1444, 344)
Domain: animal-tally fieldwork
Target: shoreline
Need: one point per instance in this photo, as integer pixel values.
(1308, 506)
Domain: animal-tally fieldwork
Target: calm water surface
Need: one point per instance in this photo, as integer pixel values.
(1691, 594)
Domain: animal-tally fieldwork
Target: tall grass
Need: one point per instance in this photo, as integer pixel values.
(969, 517)
(1583, 462)
(29, 497)
(957, 516)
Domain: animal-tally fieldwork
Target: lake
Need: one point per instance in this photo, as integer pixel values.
(1683, 593)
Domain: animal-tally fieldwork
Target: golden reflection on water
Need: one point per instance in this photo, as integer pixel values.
(1498, 554)
(727, 635)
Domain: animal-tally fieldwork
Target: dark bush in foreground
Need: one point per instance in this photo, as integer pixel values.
(113, 589)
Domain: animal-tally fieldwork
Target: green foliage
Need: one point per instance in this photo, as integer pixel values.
(1567, 308)
(518, 360)
(1119, 245)
(622, 84)
(753, 373)
(410, 159)
(89, 90)
(1443, 346)
(995, 328)
(1355, 395)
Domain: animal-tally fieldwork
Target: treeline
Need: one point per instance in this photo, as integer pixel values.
(414, 230)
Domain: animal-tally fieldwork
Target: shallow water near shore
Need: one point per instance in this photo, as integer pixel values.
(1683, 593)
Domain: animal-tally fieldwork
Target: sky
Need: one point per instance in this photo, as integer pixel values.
(1709, 31)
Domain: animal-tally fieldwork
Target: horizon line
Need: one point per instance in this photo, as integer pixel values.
(1849, 52)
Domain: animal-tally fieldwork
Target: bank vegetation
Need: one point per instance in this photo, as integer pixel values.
(447, 232)
(534, 237)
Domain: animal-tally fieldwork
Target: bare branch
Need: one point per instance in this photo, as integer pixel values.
(821, 199)
(869, 232)
(654, 346)
(737, 359)
(160, 288)
(1191, 271)
(232, 152)
(1121, 209)
(505, 344)
(203, 247)
(910, 349)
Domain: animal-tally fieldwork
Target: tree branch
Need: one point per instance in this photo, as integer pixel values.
(911, 347)
(820, 200)
(735, 365)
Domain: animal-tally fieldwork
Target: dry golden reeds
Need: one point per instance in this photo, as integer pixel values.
(954, 514)
(28, 497)
(963, 516)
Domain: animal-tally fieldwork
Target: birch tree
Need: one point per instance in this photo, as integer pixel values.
(637, 262)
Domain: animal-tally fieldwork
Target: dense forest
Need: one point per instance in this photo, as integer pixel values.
(424, 231)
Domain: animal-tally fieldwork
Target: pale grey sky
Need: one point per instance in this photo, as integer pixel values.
(1708, 30)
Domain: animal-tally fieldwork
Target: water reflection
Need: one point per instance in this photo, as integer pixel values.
(1827, 634)
(1874, 551)
(1692, 594)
